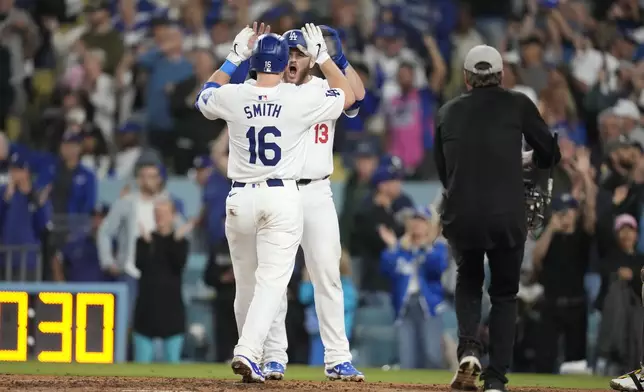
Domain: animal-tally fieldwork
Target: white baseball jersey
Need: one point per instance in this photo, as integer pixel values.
(319, 153)
(268, 126)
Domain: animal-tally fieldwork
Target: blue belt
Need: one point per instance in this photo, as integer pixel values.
(273, 182)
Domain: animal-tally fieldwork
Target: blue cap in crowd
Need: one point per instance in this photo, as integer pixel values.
(549, 3)
(202, 162)
(388, 31)
(366, 148)
(130, 127)
(565, 201)
(423, 212)
(73, 137)
(390, 169)
(18, 160)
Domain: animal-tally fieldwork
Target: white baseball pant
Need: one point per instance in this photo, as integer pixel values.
(264, 229)
(322, 252)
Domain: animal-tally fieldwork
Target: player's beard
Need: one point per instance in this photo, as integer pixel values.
(298, 77)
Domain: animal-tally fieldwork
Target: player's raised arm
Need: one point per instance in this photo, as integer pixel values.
(207, 102)
(317, 49)
(334, 45)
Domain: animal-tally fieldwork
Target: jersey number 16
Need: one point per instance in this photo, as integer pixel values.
(257, 146)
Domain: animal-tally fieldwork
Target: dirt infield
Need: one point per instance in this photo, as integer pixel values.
(159, 384)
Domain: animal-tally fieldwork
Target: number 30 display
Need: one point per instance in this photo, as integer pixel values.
(63, 327)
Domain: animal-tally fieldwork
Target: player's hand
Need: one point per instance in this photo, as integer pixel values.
(315, 45)
(334, 45)
(556, 223)
(388, 236)
(625, 273)
(241, 49)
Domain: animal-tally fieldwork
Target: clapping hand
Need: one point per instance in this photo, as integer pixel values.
(182, 231)
(387, 235)
(582, 161)
(43, 195)
(315, 44)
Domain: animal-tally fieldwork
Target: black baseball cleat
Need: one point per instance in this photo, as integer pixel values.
(467, 375)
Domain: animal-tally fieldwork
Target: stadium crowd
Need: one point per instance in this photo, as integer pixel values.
(99, 89)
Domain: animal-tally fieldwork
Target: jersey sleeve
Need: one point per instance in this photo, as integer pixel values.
(217, 103)
(322, 104)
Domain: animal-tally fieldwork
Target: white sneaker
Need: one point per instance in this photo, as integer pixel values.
(575, 367)
(467, 374)
(629, 382)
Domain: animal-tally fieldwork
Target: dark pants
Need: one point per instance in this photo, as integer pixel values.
(505, 266)
(225, 327)
(567, 317)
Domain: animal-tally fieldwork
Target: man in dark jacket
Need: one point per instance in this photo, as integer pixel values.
(478, 144)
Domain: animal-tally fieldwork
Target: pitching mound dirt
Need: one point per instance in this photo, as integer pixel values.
(154, 384)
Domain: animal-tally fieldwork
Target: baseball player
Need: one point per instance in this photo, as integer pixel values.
(267, 125)
(321, 238)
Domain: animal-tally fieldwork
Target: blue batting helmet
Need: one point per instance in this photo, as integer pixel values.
(270, 54)
(294, 38)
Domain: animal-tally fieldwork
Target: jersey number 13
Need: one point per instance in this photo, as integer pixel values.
(258, 146)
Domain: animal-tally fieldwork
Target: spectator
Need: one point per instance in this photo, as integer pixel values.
(512, 81)
(197, 36)
(132, 24)
(190, 124)
(380, 209)
(533, 70)
(131, 152)
(561, 257)
(25, 218)
(166, 66)
(74, 188)
(414, 264)
(123, 224)
(558, 109)
(19, 35)
(305, 296)
(77, 260)
(623, 262)
(161, 256)
(357, 189)
(6, 88)
(219, 273)
(100, 91)
(629, 114)
(95, 155)
(101, 35)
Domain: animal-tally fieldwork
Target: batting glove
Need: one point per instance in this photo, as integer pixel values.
(315, 44)
(241, 50)
(335, 47)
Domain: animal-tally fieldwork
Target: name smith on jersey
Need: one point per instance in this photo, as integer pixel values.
(263, 110)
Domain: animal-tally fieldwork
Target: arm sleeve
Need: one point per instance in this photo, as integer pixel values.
(538, 135)
(179, 255)
(148, 59)
(321, 104)
(388, 261)
(217, 102)
(142, 254)
(107, 231)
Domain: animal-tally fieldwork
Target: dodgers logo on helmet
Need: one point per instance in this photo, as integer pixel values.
(270, 54)
(294, 38)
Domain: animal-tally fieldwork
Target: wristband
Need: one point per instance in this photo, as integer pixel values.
(322, 58)
(210, 85)
(228, 67)
(342, 62)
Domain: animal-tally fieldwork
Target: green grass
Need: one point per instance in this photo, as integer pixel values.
(293, 373)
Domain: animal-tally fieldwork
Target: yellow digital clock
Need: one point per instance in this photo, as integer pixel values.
(63, 323)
